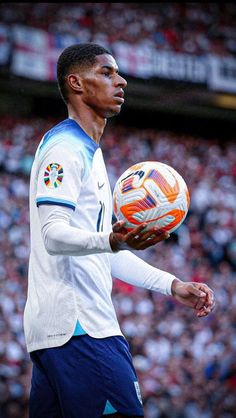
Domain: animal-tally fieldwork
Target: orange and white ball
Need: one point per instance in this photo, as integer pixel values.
(151, 192)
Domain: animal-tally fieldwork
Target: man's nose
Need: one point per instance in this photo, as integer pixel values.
(121, 81)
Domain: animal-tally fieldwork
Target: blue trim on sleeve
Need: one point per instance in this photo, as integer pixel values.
(55, 201)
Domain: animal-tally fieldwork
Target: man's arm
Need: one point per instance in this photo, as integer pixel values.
(132, 269)
(61, 238)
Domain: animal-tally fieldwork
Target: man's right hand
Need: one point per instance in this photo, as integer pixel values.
(137, 239)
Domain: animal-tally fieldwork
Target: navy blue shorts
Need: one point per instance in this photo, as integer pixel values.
(85, 378)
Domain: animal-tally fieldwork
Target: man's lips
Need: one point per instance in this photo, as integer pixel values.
(120, 95)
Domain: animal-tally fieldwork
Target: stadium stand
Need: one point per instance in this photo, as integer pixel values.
(183, 27)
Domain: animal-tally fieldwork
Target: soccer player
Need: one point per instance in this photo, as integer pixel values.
(82, 366)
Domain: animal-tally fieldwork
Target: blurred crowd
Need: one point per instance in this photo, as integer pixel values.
(186, 366)
(194, 28)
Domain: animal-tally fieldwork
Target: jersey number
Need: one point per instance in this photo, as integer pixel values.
(100, 220)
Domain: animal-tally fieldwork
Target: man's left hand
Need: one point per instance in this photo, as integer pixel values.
(197, 296)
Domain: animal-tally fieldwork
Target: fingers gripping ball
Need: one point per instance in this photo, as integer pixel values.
(151, 192)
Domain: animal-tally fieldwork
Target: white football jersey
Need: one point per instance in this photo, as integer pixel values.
(69, 171)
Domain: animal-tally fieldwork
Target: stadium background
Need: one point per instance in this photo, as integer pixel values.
(180, 63)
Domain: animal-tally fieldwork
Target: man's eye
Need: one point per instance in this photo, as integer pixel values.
(106, 74)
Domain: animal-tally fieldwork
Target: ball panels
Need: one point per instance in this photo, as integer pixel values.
(151, 192)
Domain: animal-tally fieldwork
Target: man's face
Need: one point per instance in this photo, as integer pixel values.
(103, 87)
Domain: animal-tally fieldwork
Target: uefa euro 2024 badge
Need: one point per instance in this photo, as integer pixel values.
(53, 175)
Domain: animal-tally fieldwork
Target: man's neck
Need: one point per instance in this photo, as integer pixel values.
(92, 124)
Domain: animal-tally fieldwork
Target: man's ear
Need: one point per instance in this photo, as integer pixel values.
(74, 82)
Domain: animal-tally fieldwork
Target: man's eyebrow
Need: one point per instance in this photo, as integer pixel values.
(110, 68)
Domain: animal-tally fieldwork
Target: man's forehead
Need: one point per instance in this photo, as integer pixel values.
(107, 60)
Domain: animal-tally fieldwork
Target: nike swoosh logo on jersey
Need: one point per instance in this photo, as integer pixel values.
(100, 185)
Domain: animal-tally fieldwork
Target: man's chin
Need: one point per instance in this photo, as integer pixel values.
(113, 112)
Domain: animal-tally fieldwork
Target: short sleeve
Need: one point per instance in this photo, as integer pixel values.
(59, 177)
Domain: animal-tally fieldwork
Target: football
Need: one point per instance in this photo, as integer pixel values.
(151, 192)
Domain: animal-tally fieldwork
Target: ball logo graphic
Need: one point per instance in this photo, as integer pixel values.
(53, 175)
(151, 192)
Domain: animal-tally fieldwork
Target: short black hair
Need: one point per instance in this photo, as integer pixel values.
(79, 55)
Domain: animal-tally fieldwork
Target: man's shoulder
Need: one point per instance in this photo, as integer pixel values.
(69, 138)
(68, 132)
(59, 130)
